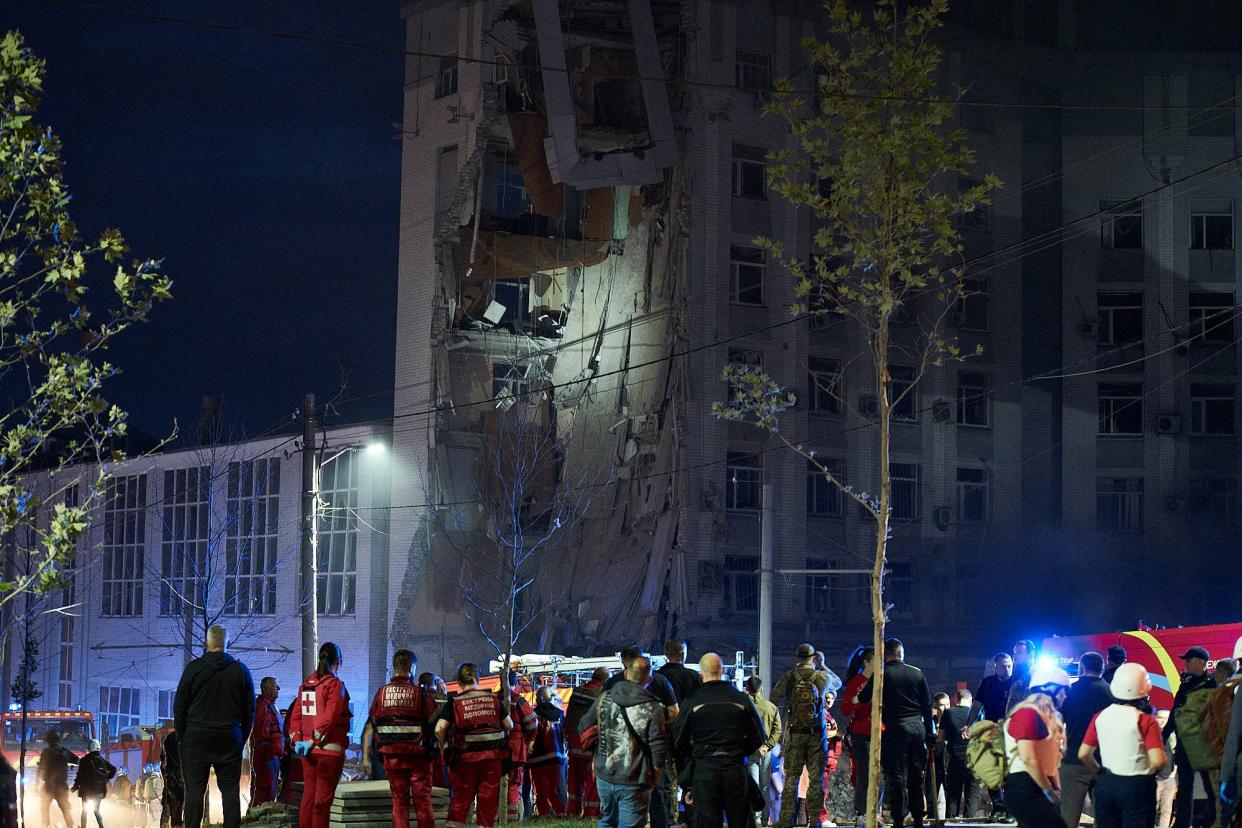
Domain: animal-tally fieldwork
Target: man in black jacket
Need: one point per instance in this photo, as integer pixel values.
(718, 728)
(213, 712)
(1195, 679)
(909, 732)
(1088, 696)
(54, 764)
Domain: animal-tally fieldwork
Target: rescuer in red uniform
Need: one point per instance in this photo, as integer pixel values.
(473, 727)
(401, 712)
(583, 797)
(267, 744)
(520, 739)
(319, 729)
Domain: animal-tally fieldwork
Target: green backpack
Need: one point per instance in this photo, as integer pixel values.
(985, 753)
(1190, 733)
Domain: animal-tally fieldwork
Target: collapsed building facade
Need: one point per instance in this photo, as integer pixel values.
(582, 185)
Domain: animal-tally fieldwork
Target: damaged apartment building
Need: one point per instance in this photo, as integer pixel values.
(582, 185)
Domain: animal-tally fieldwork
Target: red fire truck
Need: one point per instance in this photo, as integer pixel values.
(1158, 650)
(76, 728)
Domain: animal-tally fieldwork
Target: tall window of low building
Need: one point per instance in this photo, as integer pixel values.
(251, 554)
(184, 540)
(119, 708)
(124, 545)
(338, 535)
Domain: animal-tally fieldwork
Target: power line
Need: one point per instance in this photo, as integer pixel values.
(403, 52)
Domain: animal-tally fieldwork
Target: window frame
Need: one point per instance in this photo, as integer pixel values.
(737, 263)
(817, 591)
(975, 292)
(1126, 494)
(744, 494)
(1210, 316)
(914, 479)
(511, 377)
(1203, 394)
(825, 385)
(754, 73)
(824, 499)
(120, 709)
(252, 537)
(1113, 211)
(1114, 403)
(966, 402)
(337, 548)
(744, 161)
(446, 76)
(910, 401)
(741, 571)
(123, 549)
(966, 488)
(1220, 507)
(185, 538)
(1114, 305)
(1199, 234)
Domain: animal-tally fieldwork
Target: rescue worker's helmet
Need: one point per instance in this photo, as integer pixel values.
(1045, 675)
(1130, 682)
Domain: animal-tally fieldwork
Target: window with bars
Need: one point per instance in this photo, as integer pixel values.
(1215, 499)
(742, 583)
(820, 605)
(1211, 231)
(124, 545)
(824, 388)
(1119, 503)
(1120, 408)
(1121, 317)
(119, 708)
(252, 513)
(823, 497)
(972, 495)
(907, 495)
(1121, 226)
(337, 559)
(743, 482)
(753, 70)
(903, 393)
(1211, 316)
(750, 169)
(747, 267)
(184, 539)
(973, 401)
(900, 577)
(446, 76)
(1212, 409)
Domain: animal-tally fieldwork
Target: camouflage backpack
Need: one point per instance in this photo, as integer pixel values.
(806, 703)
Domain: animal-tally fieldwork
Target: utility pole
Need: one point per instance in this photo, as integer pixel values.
(310, 577)
(765, 590)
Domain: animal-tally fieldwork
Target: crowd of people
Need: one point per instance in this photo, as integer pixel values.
(678, 745)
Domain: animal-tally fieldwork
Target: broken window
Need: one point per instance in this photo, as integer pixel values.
(446, 76)
(742, 583)
(747, 265)
(749, 172)
(509, 381)
(1121, 226)
(514, 295)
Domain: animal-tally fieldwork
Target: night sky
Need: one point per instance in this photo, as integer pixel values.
(266, 174)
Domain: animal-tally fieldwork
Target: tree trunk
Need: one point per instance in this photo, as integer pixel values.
(877, 573)
(21, 761)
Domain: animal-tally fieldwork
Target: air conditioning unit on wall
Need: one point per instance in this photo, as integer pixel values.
(1168, 423)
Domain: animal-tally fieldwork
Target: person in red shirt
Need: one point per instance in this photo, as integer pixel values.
(473, 728)
(583, 797)
(520, 739)
(267, 744)
(857, 674)
(402, 711)
(1131, 750)
(319, 730)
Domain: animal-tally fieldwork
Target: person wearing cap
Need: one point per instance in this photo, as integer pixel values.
(1195, 679)
(1131, 750)
(1117, 656)
(1089, 695)
(1034, 733)
(1231, 761)
(804, 745)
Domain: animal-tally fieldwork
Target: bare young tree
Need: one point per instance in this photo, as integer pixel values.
(872, 158)
(531, 494)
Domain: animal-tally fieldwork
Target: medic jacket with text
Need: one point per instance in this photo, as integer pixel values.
(400, 712)
(477, 722)
(321, 714)
(267, 737)
(581, 700)
(524, 727)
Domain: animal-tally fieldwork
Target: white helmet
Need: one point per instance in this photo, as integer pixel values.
(1130, 682)
(1049, 674)
(1237, 650)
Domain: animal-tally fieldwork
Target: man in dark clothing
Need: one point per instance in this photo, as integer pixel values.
(993, 692)
(1088, 696)
(660, 687)
(94, 774)
(961, 786)
(1117, 656)
(213, 712)
(684, 680)
(908, 732)
(717, 731)
(172, 800)
(54, 764)
(1194, 679)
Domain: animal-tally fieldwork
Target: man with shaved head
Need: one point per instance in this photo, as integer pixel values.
(718, 728)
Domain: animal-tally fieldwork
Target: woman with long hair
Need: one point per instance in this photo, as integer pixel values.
(1034, 733)
(473, 728)
(857, 675)
(319, 729)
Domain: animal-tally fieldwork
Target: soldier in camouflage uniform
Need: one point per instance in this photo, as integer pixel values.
(802, 688)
